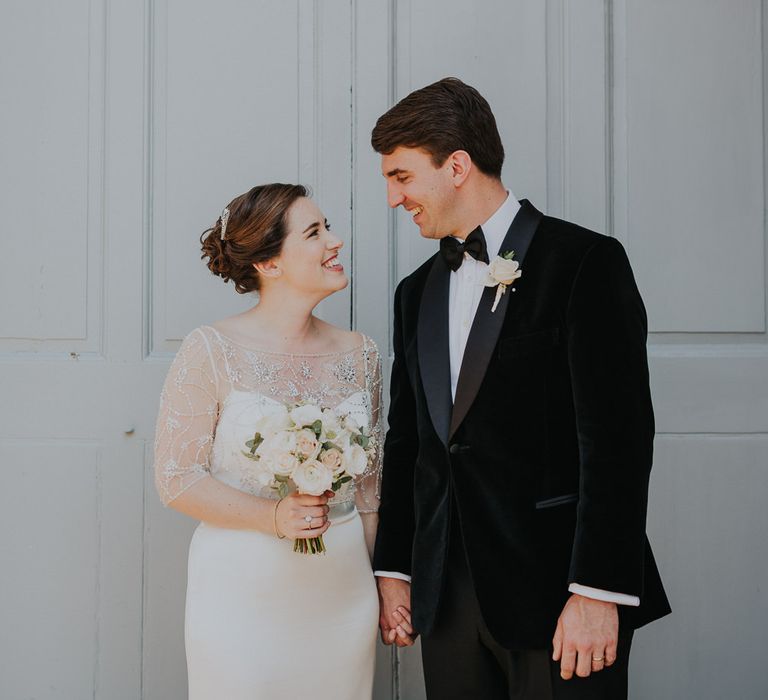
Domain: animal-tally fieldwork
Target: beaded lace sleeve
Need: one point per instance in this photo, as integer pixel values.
(368, 485)
(187, 418)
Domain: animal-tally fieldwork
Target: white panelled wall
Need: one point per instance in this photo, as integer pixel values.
(127, 126)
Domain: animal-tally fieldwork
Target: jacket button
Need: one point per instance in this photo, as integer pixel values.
(454, 449)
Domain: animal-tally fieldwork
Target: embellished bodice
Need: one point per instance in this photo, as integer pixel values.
(216, 390)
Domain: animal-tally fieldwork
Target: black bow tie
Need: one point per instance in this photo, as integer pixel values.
(453, 250)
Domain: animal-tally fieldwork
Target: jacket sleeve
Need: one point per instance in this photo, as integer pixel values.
(607, 331)
(394, 539)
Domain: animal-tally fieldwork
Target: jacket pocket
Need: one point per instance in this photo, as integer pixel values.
(529, 344)
(557, 501)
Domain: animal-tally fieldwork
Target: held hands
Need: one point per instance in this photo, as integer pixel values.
(300, 516)
(395, 611)
(586, 636)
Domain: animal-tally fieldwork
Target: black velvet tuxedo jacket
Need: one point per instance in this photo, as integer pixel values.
(547, 450)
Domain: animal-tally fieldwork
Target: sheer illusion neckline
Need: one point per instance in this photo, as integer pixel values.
(261, 351)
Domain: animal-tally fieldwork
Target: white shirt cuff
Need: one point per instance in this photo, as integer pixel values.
(606, 596)
(393, 574)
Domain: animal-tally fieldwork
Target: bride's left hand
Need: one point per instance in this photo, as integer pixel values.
(301, 516)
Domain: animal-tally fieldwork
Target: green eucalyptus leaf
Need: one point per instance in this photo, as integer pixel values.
(361, 439)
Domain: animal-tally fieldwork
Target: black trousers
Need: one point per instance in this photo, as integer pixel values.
(463, 662)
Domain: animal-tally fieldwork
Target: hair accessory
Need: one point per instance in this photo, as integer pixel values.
(224, 221)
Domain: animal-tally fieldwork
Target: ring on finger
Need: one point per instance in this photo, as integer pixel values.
(598, 659)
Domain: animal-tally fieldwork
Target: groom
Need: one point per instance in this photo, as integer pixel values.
(516, 465)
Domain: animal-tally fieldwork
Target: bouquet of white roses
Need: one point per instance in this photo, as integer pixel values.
(310, 448)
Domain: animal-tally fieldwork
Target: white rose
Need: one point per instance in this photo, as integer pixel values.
(342, 438)
(332, 459)
(331, 425)
(266, 467)
(274, 421)
(502, 271)
(351, 424)
(284, 463)
(355, 460)
(313, 477)
(284, 441)
(306, 415)
(307, 444)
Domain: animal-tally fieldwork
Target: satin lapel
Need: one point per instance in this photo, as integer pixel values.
(486, 325)
(432, 344)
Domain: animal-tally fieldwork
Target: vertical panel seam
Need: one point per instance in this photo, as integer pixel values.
(101, 218)
(554, 104)
(146, 285)
(102, 165)
(99, 572)
(317, 96)
(764, 58)
(391, 221)
(144, 539)
(566, 64)
(146, 174)
(609, 117)
(393, 265)
(353, 164)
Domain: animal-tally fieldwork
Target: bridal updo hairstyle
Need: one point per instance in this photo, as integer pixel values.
(255, 233)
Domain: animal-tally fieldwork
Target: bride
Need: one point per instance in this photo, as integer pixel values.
(263, 621)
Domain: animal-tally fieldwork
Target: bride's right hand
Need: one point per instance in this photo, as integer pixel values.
(292, 513)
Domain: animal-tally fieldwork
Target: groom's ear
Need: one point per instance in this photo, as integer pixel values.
(268, 269)
(460, 164)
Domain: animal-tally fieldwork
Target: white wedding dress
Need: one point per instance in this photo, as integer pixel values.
(261, 620)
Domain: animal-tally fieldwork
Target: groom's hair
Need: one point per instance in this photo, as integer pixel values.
(441, 118)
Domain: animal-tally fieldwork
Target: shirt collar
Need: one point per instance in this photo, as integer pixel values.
(497, 226)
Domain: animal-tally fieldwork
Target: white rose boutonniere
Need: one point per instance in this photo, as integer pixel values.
(502, 272)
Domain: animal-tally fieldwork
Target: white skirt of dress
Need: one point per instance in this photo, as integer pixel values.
(264, 622)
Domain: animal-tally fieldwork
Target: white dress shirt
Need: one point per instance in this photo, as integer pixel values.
(466, 288)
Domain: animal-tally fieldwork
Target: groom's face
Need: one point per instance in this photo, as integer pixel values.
(426, 192)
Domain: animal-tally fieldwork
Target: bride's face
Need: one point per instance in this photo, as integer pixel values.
(309, 259)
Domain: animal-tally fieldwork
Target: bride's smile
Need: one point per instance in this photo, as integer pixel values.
(334, 264)
(309, 261)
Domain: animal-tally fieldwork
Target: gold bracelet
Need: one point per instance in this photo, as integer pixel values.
(274, 520)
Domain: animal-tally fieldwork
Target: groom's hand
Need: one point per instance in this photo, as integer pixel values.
(586, 636)
(395, 611)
